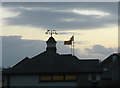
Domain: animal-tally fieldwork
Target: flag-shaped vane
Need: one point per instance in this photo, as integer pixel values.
(69, 42)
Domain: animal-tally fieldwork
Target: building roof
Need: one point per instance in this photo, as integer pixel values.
(109, 59)
(52, 62)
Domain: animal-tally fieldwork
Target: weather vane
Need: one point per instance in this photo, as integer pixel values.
(51, 32)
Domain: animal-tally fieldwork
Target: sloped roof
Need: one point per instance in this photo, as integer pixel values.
(109, 59)
(50, 62)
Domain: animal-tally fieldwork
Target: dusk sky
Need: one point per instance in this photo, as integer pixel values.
(94, 24)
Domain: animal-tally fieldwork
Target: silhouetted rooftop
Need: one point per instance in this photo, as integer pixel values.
(52, 62)
(109, 58)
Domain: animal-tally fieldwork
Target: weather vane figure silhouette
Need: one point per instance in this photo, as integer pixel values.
(51, 32)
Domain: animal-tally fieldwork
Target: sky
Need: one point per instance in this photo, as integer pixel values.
(94, 24)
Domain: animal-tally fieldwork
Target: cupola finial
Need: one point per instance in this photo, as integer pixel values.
(51, 43)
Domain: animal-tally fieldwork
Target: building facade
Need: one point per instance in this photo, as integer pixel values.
(50, 69)
(110, 68)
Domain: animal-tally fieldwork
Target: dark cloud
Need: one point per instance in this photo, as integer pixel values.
(105, 6)
(52, 15)
(15, 49)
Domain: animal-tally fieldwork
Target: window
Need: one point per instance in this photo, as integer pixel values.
(70, 77)
(114, 58)
(58, 77)
(97, 77)
(45, 78)
(94, 77)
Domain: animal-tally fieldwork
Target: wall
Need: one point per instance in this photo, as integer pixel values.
(83, 80)
(31, 80)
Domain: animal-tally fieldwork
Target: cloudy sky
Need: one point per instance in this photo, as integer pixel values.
(24, 24)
